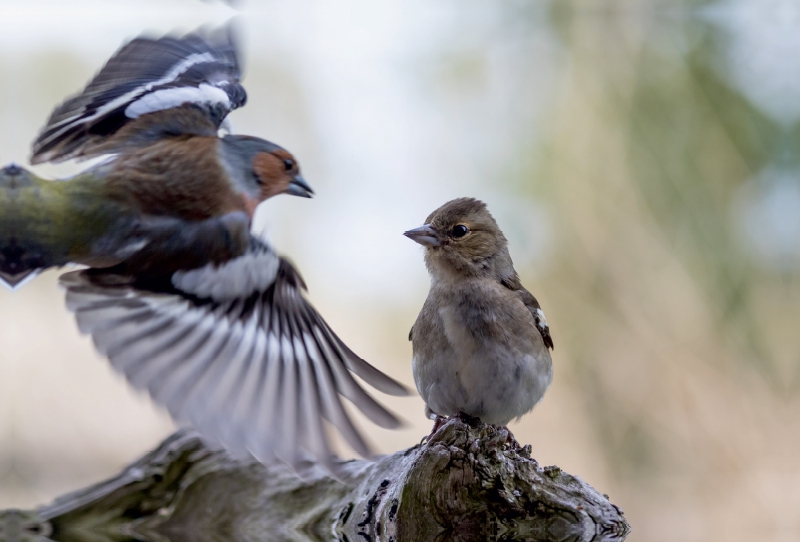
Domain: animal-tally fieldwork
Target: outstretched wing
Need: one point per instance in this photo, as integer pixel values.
(237, 351)
(146, 75)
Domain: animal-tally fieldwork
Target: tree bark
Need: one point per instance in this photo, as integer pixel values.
(467, 483)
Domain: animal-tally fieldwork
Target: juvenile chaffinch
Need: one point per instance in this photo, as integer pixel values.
(480, 343)
(179, 295)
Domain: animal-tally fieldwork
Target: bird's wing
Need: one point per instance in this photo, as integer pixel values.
(236, 351)
(145, 76)
(533, 306)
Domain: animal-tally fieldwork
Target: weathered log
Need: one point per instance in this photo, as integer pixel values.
(466, 483)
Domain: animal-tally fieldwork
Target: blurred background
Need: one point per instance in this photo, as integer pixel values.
(641, 156)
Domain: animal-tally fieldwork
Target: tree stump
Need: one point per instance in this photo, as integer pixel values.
(467, 483)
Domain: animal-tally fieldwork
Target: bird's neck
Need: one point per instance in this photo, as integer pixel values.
(447, 274)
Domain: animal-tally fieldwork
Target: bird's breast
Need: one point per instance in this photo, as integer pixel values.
(475, 351)
(459, 336)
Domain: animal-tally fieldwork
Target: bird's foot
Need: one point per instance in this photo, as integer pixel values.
(438, 422)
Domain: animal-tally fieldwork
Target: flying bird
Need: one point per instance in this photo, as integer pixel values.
(178, 294)
(481, 344)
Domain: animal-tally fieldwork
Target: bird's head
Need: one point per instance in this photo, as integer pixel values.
(260, 169)
(462, 238)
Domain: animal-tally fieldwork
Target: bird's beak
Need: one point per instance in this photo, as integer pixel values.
(424, 235)
(299, 187)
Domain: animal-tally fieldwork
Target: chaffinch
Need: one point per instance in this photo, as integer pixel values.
(155, 107)
(179, 295)
(481, 342)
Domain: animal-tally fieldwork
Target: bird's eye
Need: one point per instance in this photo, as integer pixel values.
(288, 164)
(460, 230)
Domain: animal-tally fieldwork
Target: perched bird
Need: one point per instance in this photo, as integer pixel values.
(179, 295)
(481, 342)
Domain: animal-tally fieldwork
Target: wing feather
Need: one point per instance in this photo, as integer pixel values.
(332, 408)
(532, 304)
(221, 387)
(188, 391)
(166, 388)
(146, 76)
(314, 436)
(183, 346)
(249, 363)
(260, 438)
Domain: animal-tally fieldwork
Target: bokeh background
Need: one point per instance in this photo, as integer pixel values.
(641, 156)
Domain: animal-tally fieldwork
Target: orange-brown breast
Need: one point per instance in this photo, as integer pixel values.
(179, 177)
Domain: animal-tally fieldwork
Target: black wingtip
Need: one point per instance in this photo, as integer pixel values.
(143, 66)
(548, 339)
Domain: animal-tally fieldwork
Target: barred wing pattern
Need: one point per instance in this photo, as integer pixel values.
(237, 352)
(146, 75)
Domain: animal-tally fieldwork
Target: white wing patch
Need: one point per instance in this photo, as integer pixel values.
(173, 97)
(234, 279)
(185, 64)
(542, 321)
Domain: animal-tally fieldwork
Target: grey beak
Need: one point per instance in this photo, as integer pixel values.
(299, 187)
(424, 235)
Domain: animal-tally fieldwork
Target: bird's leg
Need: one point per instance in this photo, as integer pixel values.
(438, 422)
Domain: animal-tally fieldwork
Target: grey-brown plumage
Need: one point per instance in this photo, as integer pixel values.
(481, 342)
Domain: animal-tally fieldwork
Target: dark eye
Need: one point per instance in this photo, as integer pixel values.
(460, 230)
(288, 163)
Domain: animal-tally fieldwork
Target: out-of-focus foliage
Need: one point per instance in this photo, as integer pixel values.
(682, 333)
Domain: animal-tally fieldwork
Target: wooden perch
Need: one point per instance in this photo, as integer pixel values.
(467, 483)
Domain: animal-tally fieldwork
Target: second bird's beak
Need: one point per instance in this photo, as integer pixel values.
(424, 235)
(299, 187)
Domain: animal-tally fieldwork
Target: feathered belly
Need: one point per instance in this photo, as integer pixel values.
(491, 380)
(494, 390)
